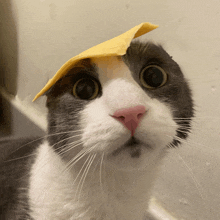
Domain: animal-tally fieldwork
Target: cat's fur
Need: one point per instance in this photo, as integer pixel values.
(113, 179)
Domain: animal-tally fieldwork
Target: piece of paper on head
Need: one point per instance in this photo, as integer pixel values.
(114, 47)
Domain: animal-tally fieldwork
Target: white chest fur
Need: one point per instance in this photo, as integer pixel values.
(117, 195)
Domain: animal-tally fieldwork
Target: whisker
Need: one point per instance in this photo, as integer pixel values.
(197, 184)
(189, 119)
(73, 161)
(27, 144)
(81, 168)
(43, 137)
(83, 176)
(184, 130)
(182, 126)
(68, 147)
(20, 158)
(185, 141)
(89, 166)
(65, 139)
(100, 173)
(78, 157)
(64, 132)
(206, 116)
(64, 125)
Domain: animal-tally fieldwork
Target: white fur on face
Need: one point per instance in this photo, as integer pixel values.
(105, 134)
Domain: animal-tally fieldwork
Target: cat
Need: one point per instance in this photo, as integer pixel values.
(110, 123)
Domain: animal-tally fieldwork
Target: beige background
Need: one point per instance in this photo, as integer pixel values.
(38, 36)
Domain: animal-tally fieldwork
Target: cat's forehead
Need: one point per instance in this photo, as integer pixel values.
(137, 56)
(109, 68)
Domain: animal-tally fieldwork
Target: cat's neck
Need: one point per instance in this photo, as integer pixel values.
(128, 192)
(106, 193)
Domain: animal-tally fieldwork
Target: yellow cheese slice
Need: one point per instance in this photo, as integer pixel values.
(113, 47)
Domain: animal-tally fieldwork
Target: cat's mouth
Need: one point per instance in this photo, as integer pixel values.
(133, 146)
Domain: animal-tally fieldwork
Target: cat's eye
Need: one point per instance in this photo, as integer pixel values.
(153, 77)
(86, 88)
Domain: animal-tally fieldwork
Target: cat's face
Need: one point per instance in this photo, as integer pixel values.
(145, 88)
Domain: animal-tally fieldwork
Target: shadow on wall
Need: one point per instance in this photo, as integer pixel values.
(8, 48)
(5, 118)
(8, 61)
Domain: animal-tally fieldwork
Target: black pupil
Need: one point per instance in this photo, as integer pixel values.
(153, 77)
(85, 88)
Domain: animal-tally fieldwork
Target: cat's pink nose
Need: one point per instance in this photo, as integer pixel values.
(130, 117)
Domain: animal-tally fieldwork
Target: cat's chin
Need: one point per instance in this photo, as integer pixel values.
(134, 155)
(133, 147)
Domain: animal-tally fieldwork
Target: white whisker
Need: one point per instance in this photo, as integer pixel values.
(65, 139)
(184, 131)
(73, 161)
(197, 184)
(20, 158)
(83, 177)
(81, 169)
(186, 142)
(38, 139)
(69, 147)
(78, 157)
(89, 166)
(100, 173)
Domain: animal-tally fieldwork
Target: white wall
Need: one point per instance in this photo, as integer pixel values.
(38, 36)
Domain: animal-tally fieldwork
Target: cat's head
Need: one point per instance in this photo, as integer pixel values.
(128, 109)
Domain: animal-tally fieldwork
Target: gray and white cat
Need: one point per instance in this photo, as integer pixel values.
(110, 123)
